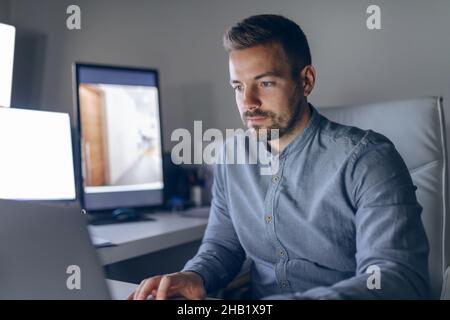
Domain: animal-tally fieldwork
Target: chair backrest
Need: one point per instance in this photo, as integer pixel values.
(417, 129)
(445, 295)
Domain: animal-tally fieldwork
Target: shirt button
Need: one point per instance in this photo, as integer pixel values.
(275, 178)
(283, 285)
(269, 218)
(281, 253)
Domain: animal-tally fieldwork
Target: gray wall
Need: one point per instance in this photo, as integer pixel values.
(5, 6)
(409, 57)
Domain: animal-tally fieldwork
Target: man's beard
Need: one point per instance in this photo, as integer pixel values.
(280, 125)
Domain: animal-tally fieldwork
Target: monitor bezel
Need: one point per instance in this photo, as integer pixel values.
(77, 144)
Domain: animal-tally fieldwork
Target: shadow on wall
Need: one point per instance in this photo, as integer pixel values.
(197, 99)
(188, 102)
(29, 68)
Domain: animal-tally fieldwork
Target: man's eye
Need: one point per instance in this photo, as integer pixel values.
(267, 84)
(237, 88)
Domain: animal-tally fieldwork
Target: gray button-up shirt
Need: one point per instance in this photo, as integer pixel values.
(341, 205)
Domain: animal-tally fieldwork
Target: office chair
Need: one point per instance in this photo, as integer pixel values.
(417, 129)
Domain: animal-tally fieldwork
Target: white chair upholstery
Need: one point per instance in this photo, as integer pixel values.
(417, 129)
(446, 285)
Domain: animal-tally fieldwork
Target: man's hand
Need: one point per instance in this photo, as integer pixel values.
(186, 284)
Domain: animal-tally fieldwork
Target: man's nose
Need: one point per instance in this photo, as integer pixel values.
(251, 100)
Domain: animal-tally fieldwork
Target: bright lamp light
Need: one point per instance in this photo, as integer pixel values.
(7, 38)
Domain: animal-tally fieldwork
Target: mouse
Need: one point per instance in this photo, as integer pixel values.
(125, 214)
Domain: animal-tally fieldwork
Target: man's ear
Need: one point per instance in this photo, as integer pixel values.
(308, 78)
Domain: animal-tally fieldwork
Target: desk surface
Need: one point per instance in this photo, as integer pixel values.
(120, 290)
(135, 239)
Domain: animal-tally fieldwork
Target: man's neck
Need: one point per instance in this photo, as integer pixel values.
(277, 146)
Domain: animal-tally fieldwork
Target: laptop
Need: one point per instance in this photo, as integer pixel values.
(46, 253)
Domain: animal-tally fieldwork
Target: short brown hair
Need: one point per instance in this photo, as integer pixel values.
(267, 28)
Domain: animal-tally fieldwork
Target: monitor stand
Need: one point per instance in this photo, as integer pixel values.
(120, 215)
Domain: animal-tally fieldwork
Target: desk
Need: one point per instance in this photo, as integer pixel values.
(153, 239)
(120, 290)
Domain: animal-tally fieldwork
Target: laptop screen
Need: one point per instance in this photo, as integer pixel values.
(36, 161)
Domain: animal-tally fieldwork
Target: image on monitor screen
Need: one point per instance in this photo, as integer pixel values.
(120, 129)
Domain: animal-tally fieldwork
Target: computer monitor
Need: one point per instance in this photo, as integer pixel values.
(7, 39)
(36, 161)
(119, 123)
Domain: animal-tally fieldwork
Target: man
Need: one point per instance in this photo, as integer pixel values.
(341, 208)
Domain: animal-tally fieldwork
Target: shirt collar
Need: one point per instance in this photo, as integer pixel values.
(301, 139)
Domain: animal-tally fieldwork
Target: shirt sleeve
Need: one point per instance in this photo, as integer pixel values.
(220, 256)
(391, 244)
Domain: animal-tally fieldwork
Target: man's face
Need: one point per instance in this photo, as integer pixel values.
(266, 94)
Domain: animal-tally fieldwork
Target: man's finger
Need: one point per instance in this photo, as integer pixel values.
(139, 288)
(163, 288)
(131, 296)
(147, 288)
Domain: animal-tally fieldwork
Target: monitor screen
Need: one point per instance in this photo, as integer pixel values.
(120, 136)
(7, 39)
(36, 161)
